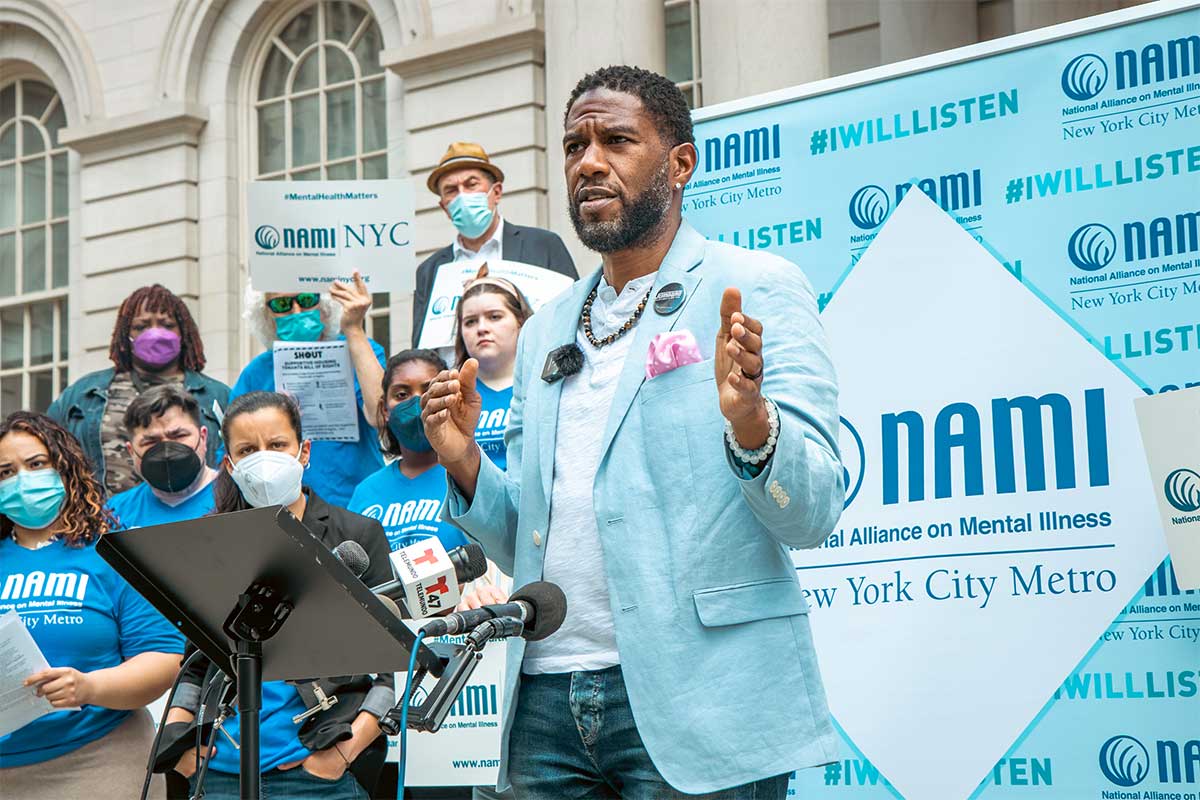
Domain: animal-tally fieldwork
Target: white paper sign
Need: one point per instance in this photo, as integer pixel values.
(20, 657)
(305, 235)
(1170, 424)
(318, 375)
(466, 749)
(539, 285)
(997, 517)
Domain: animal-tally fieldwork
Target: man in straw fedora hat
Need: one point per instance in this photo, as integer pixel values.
(469, 187)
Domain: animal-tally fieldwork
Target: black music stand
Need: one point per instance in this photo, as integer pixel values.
(264, 599)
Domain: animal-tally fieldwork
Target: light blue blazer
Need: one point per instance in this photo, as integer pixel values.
(711, 625)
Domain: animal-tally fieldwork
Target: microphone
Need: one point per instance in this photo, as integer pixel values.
(352, 555)
(562, 362)
(541, 606)
(428, 579)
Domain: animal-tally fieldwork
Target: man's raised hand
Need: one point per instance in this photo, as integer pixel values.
(450, 410)
(738, 360)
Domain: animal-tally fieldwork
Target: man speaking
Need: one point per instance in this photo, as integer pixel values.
(665, 449)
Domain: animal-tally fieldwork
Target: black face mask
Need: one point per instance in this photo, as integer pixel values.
(171, 467)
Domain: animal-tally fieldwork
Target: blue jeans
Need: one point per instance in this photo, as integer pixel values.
(291, 784)
(574, 737)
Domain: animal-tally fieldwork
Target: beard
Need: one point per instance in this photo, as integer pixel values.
(637, 222)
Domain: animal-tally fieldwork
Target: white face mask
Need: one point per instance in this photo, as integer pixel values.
(269, 478)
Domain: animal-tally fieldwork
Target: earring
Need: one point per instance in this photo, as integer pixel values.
(678, 186)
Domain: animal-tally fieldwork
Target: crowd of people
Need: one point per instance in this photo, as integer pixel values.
(153, 440)
(620, 443)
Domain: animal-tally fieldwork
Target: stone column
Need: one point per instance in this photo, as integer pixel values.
(139, 209)
(1031, 14)
(752, 46)
(583, 35)
(486, 85)
(916, 27)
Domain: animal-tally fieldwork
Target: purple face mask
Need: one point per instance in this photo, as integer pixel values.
(156, 347)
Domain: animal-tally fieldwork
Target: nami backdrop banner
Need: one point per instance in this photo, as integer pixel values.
(990, 401)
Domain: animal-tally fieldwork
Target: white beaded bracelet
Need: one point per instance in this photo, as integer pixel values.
(763, 453)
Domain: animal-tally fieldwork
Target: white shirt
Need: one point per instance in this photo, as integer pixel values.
(493, 248)
(574, 559)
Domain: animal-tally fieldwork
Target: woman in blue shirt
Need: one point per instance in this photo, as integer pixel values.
(110, 653)
(406, 496)
(489, 320)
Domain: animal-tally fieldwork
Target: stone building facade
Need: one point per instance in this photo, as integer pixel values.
(129, 127)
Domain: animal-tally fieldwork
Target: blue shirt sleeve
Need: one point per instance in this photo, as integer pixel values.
(142, 629)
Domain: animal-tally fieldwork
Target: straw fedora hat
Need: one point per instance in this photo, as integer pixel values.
(460, 155)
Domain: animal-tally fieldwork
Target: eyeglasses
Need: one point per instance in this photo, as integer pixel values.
(283, 303)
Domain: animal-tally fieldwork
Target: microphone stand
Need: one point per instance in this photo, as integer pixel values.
(283, 574)
(259, 614)
(461, 664)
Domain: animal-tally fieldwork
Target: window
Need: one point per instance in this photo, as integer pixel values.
(320, 112)
(34, 247)
(683, 48)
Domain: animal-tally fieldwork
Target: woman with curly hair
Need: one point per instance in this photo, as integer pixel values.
(110, 653)
(155, 341)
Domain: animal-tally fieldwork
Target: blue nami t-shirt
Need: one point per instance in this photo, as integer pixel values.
(409, 509)
(140, 507)
(493, 420)
(84, 615)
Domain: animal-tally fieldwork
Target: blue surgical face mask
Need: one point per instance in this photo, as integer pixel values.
(404, 421)
(303, 326)
(471, 214)
(32, 498)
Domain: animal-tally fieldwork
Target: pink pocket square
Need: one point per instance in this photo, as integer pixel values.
(670, 350)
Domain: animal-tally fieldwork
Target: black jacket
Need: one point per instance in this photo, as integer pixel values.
(535, 246)
(355, 693)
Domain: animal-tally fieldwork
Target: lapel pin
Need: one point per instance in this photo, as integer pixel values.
(669, 299)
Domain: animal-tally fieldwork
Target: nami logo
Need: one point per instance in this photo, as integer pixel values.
(742, 148)
(477, 700)
(1124, 760)
(869, 207)
(266, 237)
(1084, 77)
(953, 191)
(1087, 75)
(1092, 247)
(40, 585)
(1182, 489)
(444, 305)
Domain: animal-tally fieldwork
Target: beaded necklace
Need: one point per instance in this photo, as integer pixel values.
(586, 315)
